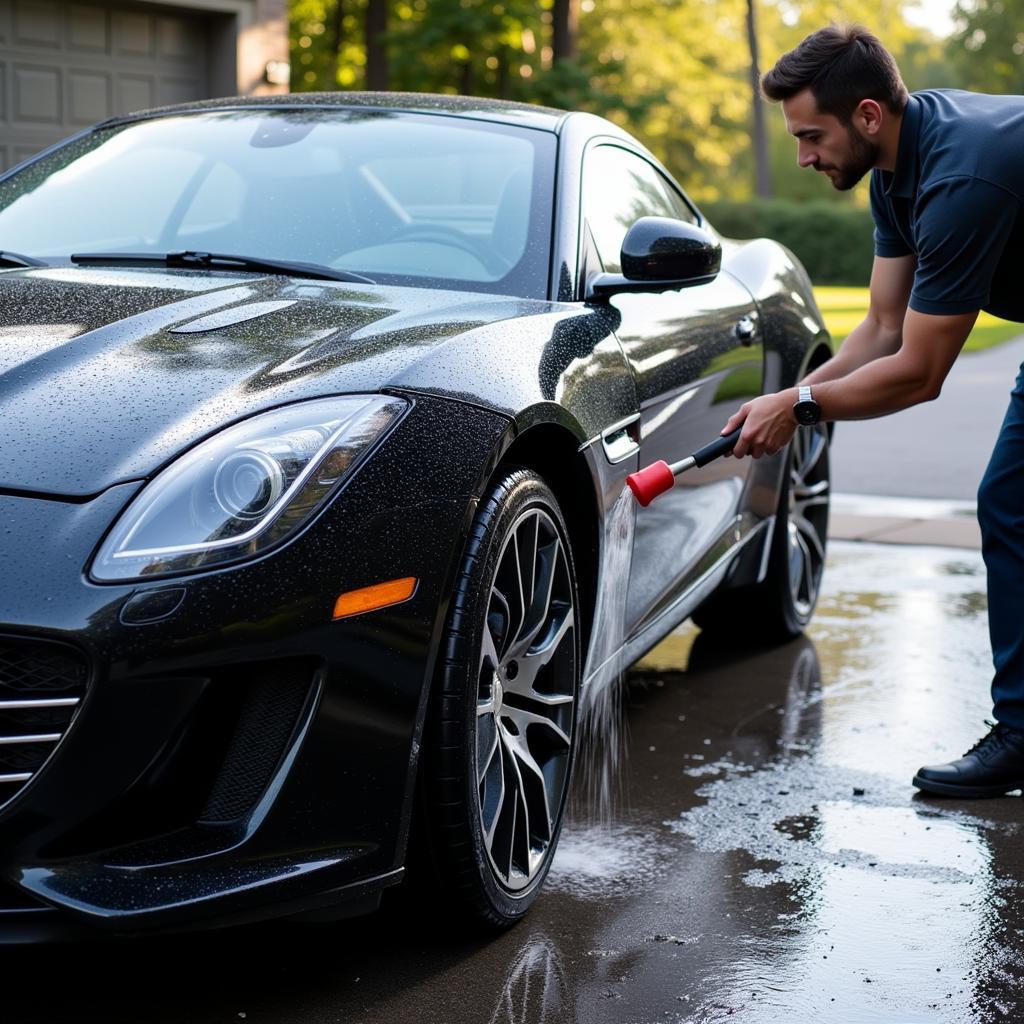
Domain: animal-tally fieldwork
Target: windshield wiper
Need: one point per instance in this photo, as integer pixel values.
(16, 259)
(190, 260)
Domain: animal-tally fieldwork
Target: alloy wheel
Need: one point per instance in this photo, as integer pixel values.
(526, 696)
(809, 483)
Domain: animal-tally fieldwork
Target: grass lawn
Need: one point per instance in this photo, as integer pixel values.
(844, 308)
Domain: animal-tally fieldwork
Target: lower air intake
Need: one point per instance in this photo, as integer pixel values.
(266, 725)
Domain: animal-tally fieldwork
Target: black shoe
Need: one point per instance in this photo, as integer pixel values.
(992, 767)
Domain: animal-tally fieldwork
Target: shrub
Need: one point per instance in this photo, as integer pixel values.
(833, 241)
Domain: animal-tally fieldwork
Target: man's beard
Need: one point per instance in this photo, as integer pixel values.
(863, 156)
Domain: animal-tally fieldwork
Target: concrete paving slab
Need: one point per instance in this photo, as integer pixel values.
(885, 530)
(842, 527)
(944, 533)
(890, 520)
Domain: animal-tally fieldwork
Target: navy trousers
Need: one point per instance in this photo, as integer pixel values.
(1001, 515)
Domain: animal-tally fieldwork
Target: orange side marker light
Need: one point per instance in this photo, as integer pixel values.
(380, 595)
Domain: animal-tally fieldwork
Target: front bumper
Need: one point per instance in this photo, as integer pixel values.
(235, 754)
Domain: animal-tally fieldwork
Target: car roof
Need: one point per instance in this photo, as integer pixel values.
(472, 107)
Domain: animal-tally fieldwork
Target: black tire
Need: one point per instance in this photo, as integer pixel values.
(781, 605)
(499, 752)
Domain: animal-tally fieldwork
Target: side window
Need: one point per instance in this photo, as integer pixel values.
(683, 210)
(618, 189)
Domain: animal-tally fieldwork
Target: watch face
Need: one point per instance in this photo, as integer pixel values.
(807, 413)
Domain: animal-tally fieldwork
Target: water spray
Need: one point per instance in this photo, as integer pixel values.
(646, 484)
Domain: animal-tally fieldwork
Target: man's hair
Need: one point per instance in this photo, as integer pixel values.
(841, 65)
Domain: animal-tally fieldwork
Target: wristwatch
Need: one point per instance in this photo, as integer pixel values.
(806, 409)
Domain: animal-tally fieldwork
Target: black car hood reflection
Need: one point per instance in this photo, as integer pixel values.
(77, 343)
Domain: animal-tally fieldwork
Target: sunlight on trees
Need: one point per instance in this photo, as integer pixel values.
(988, 46)
(676, 73)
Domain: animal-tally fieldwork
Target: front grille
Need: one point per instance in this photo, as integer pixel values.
(41, 686)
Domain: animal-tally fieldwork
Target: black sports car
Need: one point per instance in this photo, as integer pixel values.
(318, 412)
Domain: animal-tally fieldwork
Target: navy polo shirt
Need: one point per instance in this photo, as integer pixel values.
(956, 201)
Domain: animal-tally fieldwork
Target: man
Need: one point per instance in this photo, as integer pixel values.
(947, 198)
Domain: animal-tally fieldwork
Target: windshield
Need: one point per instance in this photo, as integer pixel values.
(403, 198)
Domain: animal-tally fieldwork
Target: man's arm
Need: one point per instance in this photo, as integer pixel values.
(912, 374)
(881, 331)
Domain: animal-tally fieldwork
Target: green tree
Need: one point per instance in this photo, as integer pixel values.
(987, 50)
(479, 47)
(326, 49)
(676, 74)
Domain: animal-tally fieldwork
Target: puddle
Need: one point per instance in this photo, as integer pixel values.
(865, 901)
(802, 818)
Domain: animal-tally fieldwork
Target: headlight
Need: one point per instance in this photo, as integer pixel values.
(245, 489)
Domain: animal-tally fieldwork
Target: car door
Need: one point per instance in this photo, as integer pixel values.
(696, 355)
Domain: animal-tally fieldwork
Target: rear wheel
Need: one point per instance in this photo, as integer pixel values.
(501, 733)
(781, 605)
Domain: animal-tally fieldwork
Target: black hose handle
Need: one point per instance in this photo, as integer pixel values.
(712, 451)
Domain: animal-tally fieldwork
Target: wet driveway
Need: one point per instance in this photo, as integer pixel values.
(747, 847)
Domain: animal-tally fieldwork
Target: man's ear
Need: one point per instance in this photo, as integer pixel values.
(868, 116)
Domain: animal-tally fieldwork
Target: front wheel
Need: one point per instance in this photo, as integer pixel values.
(501, 733)
(781, 605)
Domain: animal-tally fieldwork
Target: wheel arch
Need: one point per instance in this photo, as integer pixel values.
(552, 451)
(818, 354)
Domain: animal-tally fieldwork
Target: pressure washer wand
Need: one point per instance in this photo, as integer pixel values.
(646, 484)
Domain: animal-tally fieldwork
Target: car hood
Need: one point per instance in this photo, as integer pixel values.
(106, 374)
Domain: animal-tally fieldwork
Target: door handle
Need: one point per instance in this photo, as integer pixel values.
(745, 330)
(620, 439)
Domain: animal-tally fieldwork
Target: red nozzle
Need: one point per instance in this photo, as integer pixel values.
(648, 483)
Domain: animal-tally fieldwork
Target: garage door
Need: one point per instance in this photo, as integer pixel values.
(66, 64)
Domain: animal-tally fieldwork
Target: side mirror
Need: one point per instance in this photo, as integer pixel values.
(660, 254)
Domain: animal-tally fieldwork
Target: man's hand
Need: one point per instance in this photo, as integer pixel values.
(768, 424)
